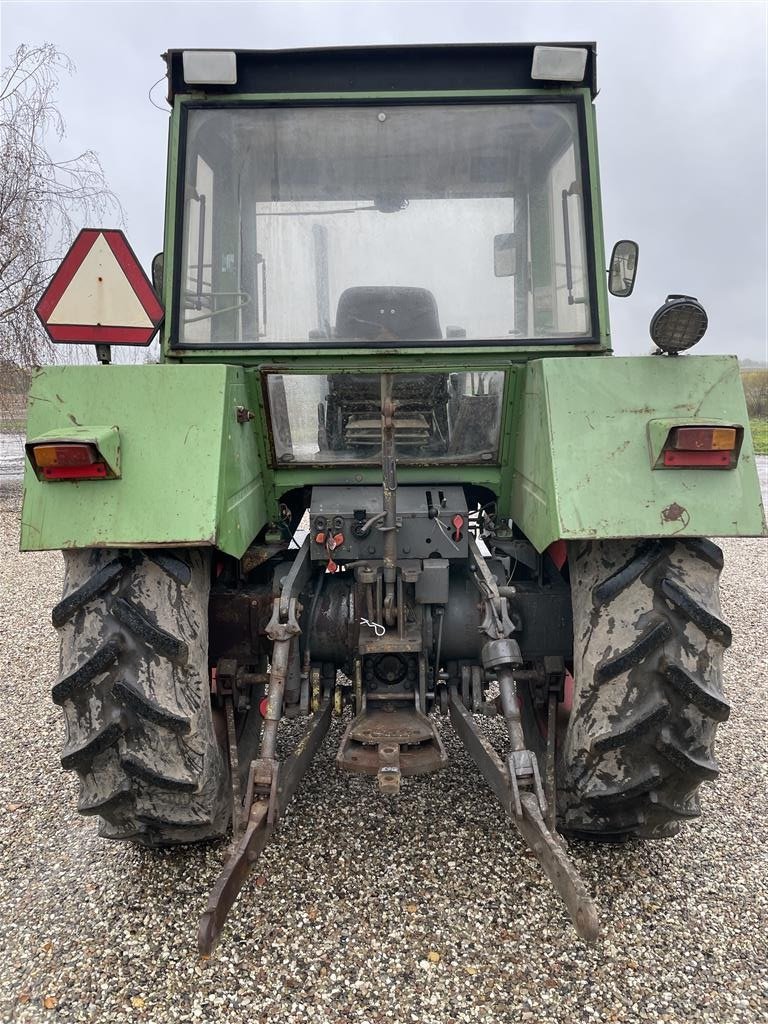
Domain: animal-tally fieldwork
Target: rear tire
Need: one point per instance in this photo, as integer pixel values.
(135, 694)
(648, 697)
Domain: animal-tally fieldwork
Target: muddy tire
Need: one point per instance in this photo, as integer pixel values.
(134, 690)
(648, 696)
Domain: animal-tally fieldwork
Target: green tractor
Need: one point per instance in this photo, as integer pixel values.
(387, 467)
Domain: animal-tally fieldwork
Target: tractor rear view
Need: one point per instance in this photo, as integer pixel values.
(387, 469)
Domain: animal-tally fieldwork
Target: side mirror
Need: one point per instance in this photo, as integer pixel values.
(504, 255)
(623, 268)
(157, 273)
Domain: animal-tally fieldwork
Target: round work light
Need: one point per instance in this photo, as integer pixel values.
(678, 324)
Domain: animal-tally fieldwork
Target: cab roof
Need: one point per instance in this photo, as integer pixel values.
(381, 69)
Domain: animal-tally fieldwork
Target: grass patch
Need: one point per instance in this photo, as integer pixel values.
(759, 428)
(755, 383)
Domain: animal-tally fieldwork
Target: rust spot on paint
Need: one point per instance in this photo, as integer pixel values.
(673, 513)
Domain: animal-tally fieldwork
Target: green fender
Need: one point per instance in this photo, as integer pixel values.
(190, 471)
(587, 442)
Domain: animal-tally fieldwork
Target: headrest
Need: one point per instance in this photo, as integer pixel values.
(388, 313)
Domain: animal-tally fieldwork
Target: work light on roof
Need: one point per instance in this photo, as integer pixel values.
(559, 63)
(210, 67)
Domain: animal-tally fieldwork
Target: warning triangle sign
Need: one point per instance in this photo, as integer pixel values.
(100, 294)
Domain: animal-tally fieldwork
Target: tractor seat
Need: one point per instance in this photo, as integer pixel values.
(388, 314)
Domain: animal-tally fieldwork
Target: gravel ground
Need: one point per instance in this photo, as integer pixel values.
(427, 909)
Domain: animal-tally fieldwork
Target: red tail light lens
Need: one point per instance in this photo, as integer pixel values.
(97, 471)
(701, 460)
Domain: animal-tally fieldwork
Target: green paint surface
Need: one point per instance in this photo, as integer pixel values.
(190, 472)
(583, 466)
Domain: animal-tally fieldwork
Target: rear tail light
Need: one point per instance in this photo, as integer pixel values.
(68, 461)
(60, 455)
(704, 439)
(702, 447)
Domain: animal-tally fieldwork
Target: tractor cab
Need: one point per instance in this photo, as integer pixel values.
(398, 215)
(337, 221)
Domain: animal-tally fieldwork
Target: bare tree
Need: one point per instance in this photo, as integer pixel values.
(44, 199)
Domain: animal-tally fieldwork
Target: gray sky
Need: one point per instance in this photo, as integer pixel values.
(682, 119)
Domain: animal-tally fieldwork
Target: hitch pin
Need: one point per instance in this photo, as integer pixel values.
(378, 629)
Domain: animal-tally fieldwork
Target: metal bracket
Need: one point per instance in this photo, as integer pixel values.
(284, 622)
(274, 809)
(496, 622)
(389, 769)
(262, 775)
(243, 415)
(292, 585)
(234, 768)
(484, 578)
(523, 767)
